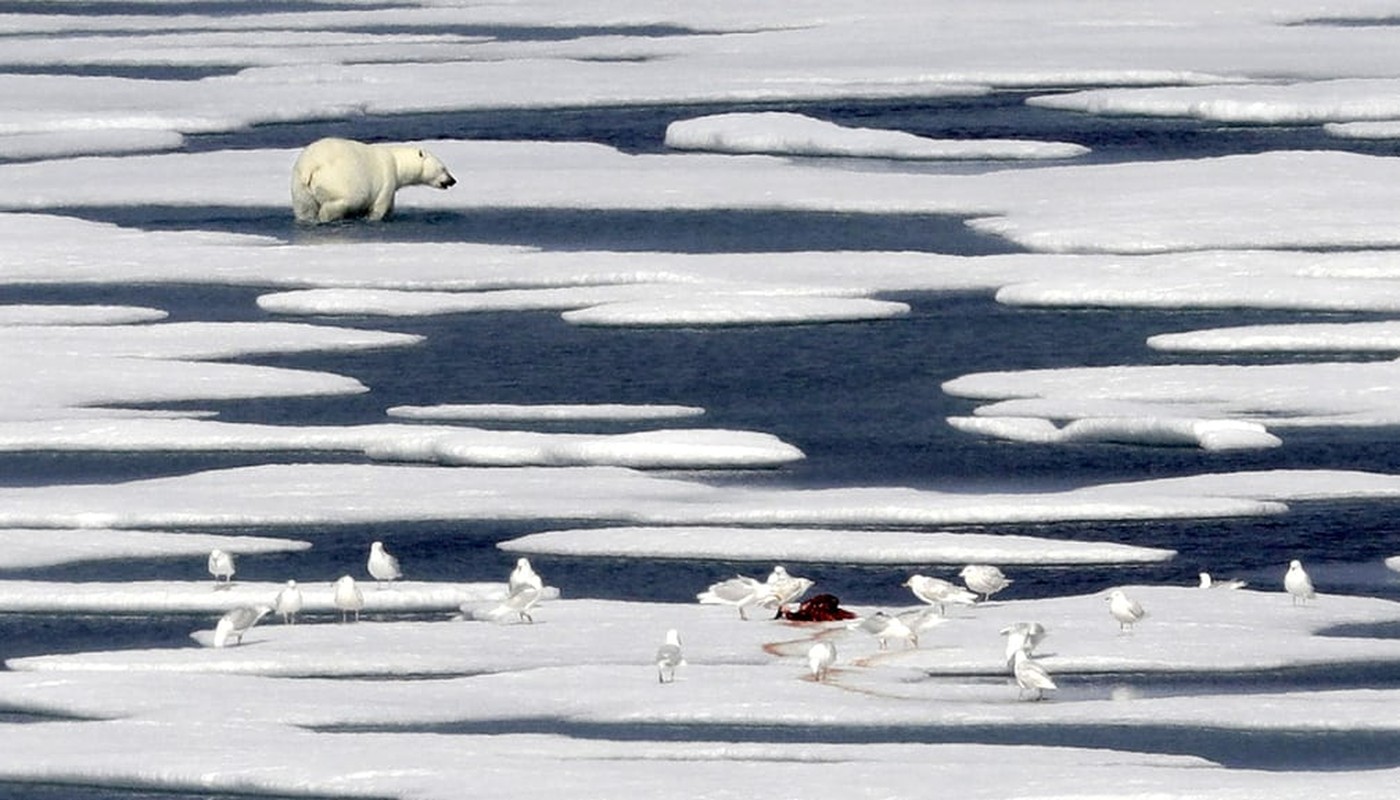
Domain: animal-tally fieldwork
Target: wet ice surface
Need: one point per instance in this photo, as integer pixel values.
(863, 346)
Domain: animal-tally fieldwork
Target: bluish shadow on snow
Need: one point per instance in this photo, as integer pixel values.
(625, 230)
(1283, 750)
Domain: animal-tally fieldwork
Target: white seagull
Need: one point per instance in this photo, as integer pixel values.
(984, 579)
(288, 603)
(741, 591)
(236, 622)
(668, 657)
(1207, 582)
(220, 565)
(1298, 584)
(784, 588)
(820, 658)
(383, 567)
(348, 598)
(938, 592)
(1031, 676)
(1124, 609)
(1022, 637)
(884, 628)
(522, 576)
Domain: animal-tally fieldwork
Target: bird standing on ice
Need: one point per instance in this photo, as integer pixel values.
(819, 660)
(1298, 584)
(1124, 609)
(784, 588)
(524, 575)
(668, 657)
(1031, 676)
(220, 566)
(288, 603)
(740, 591)
(237, 622)
(984, 579)
(348, 598)
(383, 567)
(885, 627)
(938, 592)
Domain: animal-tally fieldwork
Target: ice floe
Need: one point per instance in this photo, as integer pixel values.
(22, 548)
(446, 445)
(1207, 434)
(783, 133)
(821, 545)
(544, 412)
(1166, 403)
(57, 315)
(1353, 337)
(176, 597)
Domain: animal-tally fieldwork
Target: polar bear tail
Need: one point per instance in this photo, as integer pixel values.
(304, 205)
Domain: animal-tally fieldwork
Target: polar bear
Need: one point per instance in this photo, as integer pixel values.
(338, 178)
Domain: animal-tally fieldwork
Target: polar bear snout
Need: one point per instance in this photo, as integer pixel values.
(444, 181)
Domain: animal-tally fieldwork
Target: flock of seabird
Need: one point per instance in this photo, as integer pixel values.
(980, 583)
(525, 588)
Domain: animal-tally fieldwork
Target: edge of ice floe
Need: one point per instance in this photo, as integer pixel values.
(827, 546)
(1207, 434)
(22, 548)
(207, 597)
(544, 412)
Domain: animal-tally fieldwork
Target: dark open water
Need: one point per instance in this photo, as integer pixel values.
(862, 400)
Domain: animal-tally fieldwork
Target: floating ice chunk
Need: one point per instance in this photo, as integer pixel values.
(545, 412)
(1385, 129)
(827, 546)
(782, 133)
(1337, 393)
(59, 315)
(1207, 434)
(1393, 563)
(1338, 337)
(90, 141)
(22, 548)
(199, 340)
(702, 309)
(456, 446)
(174, 597)
(1267, 103)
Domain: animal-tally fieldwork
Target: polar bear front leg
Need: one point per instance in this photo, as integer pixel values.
(382, 206)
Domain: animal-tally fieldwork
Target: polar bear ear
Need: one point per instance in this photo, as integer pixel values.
(421, 154)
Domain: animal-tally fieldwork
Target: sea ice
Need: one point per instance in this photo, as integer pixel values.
(832, 546)
(783, 133)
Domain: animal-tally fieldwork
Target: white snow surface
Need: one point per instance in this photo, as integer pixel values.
(824, 545)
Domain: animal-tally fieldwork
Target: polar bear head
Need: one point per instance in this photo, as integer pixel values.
(416, 166)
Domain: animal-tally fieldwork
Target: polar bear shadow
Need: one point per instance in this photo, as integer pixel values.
(337, 179)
